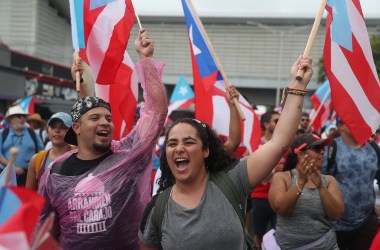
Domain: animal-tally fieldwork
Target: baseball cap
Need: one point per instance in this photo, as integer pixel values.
(81, 107)
(63, 117)
(303, 141)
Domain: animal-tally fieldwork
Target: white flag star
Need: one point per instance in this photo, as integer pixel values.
(196, 50)
(183, 91)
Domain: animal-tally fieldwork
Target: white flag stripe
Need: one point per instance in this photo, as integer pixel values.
(248, 127)
(361, 35)
(134, 80)
(349, 82)
(175, 105)
(102, 91)
(106, 21)
(221, 119)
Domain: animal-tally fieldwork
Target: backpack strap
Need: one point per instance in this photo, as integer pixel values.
(4, 136)
(331, 164)
(40, 160)
(229, 189)
(225, 184)
(377, 150)
(159, 210)
(34, 138)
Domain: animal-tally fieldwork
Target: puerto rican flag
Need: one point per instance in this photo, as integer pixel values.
(322, 106)
(27, 104)
(182, 96)
(211, 103)
(350, 68)
(20, 209)
(100, 32)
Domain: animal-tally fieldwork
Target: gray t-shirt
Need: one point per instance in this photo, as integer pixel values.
(307, 223)
(213, 224)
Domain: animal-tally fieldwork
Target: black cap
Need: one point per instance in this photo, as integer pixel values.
(304, 140)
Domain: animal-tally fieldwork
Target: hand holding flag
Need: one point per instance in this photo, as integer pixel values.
(144, 44)
(100, 32)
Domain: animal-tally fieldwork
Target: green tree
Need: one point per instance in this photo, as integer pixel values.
(375, 45)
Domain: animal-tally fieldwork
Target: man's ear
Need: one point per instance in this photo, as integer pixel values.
(76, 127)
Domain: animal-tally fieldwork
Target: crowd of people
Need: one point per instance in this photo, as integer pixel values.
(300, 191)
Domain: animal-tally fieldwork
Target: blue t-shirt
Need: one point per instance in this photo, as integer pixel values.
(356, 170)
(25, 145)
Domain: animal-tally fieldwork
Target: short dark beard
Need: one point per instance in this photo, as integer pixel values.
(102, 148)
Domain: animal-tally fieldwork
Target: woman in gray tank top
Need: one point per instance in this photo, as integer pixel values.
(305, 200)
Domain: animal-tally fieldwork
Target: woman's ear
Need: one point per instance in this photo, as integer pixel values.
(206, 152)
(300, 154)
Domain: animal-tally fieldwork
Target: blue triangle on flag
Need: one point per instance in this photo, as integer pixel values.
(182, 91)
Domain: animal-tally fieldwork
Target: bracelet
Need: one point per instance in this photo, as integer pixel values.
(298, 90)
(81, 80)
(292, 91)
(299, 189)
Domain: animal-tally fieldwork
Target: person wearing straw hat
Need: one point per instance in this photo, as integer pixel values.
(100, 190)
(19, 135)
(38, 125)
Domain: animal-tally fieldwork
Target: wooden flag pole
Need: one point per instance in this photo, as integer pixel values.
(312, 36)
(136, 14)
(319, 109)
(218, 64)
(77, 74)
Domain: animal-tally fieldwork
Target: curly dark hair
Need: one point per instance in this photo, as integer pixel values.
(291, 162)
(217, 160)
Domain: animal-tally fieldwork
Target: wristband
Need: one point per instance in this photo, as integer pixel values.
(292, 91)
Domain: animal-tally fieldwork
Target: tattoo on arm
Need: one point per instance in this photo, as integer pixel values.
(284, 149)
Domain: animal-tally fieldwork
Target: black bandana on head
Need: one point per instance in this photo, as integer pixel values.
(85, 104)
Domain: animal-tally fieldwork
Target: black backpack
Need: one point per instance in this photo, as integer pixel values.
(223, 182)
(332, 167)
(31, 132)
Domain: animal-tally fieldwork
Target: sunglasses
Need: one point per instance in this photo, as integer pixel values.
(19, 116)
(305, 119)
(316, 148)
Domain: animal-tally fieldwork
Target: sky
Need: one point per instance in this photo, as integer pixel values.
(245, 8)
